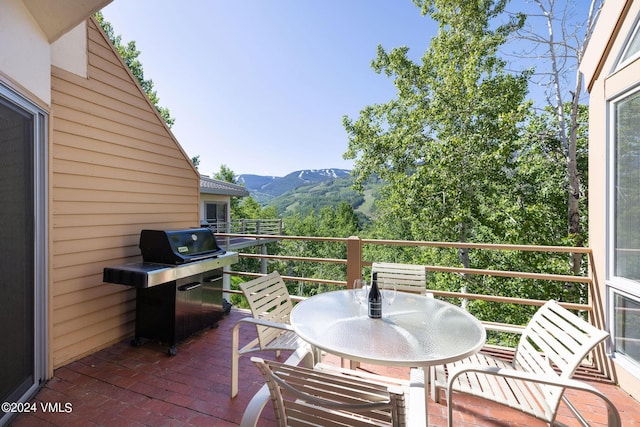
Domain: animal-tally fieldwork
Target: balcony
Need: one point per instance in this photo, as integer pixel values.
(125, 385)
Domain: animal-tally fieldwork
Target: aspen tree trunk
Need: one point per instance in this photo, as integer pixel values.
(573, 208)
(559, 51)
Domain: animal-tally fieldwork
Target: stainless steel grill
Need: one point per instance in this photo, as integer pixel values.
(178, 284)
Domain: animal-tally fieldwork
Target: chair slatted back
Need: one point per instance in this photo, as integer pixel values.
(268, 299)
(555, 342)
(306, 397)
(406, 277)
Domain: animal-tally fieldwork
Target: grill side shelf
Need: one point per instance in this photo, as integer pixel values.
(148, 274)
(134, 274)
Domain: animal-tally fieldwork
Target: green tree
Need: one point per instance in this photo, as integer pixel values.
(227, 175)
(338, 221)
(540, 180)
(130, 54)
(444, 145)
(250, 209)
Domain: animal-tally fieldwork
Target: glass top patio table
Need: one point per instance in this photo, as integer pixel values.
(414, 331)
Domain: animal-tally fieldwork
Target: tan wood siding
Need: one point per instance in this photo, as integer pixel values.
(115, 169)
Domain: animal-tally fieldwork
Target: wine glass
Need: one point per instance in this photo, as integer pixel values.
(391, 291)
(360, 290)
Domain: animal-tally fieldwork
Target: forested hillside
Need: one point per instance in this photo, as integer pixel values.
(314, 197)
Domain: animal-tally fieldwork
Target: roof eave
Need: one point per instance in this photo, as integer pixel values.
(609, 22)
(57, 17)
(224, 192)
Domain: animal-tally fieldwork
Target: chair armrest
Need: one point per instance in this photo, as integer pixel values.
(254, 345)
(613, 415)
(263, 322)
(262, 396)
(255, 407)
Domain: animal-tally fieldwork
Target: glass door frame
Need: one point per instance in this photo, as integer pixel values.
(41, 237)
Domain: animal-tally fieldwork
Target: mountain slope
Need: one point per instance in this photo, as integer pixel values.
(328, 193)
(255, 181)
(263, 188)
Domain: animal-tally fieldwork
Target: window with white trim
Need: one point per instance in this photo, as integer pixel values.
(631, 50)
(626, 326)
(216, 214)
(624, 226)
(626, 198)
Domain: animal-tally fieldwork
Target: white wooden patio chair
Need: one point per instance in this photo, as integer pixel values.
(551, 348)
(406, 277)
(332, 397)
(270, 306)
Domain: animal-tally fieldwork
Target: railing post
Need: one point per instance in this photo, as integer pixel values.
(227, 229)
(354, 260)
(263, 261)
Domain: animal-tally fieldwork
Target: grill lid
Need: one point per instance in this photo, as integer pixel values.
(178, 246)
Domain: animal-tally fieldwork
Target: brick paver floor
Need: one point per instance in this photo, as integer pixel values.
(124, 386)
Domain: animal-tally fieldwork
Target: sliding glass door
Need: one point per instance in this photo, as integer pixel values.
(22, 248)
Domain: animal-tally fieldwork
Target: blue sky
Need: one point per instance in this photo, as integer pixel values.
(261, 86)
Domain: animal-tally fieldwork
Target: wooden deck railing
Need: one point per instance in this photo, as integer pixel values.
(355, 265)
(247, 226)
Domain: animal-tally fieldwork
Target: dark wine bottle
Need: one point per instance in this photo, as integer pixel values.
(375, 298)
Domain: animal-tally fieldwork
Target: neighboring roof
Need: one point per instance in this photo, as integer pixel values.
(214, 186)
(611, 17)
